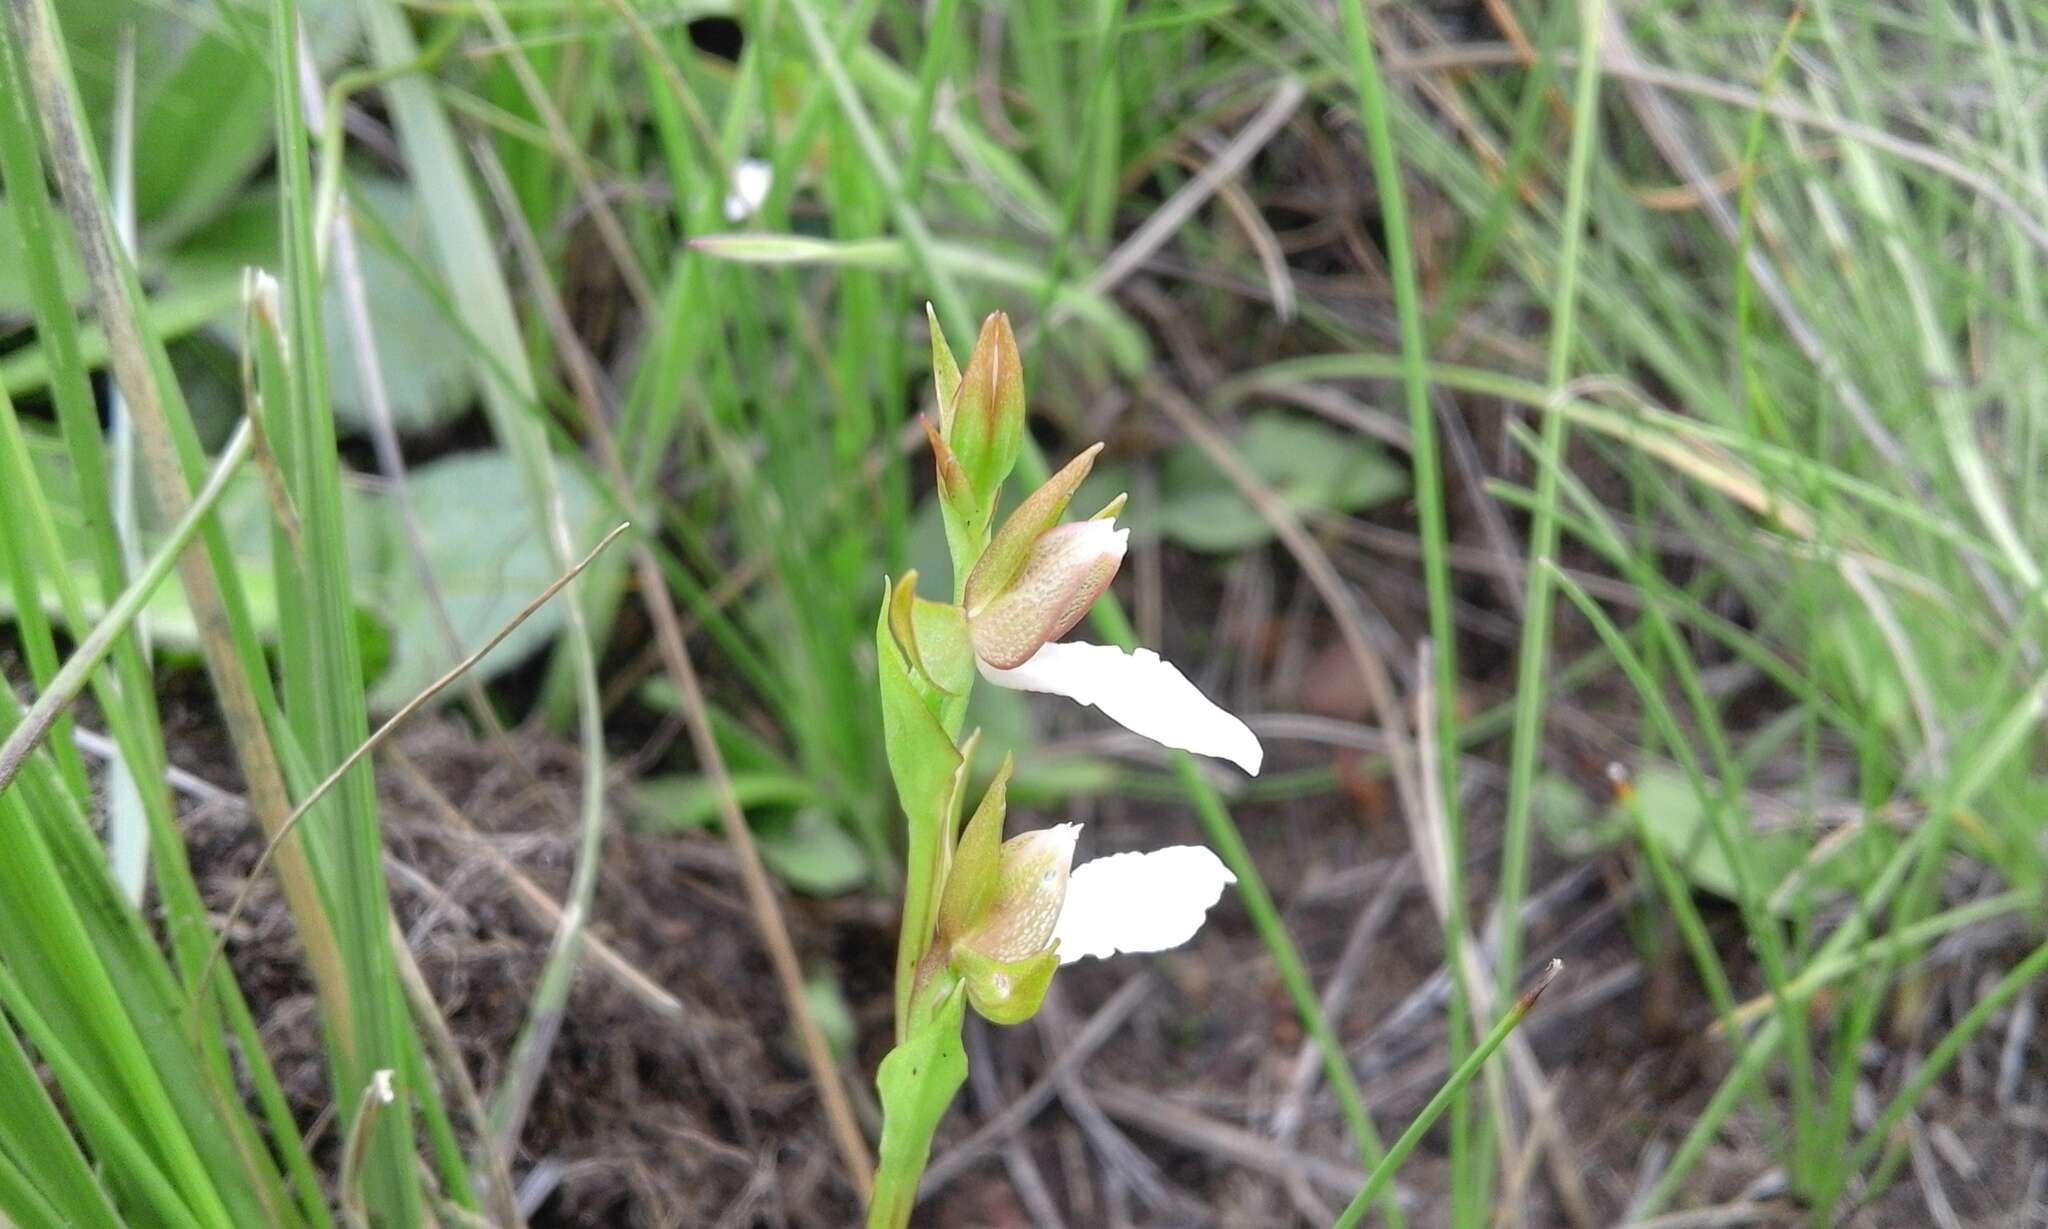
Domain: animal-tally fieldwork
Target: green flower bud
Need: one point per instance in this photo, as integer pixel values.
(985, 426)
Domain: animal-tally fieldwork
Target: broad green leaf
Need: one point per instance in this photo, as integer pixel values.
(484, 544)
(1677, 821)
(829, 1008)
(429, 376)
(679, 803)
(1310, 466)
(793, 830)
(1572, 822)
(812, 854)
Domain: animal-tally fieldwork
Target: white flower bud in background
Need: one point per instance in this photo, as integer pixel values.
(751, 179)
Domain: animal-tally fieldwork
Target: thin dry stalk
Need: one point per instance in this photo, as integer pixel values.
(1546, 1130)
(1169, 217)
(502, 1199)
(1322, 574)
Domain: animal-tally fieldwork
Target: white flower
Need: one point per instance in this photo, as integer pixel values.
(1139, 691)
(1128, 902)
(751, 178)
(1139, 902)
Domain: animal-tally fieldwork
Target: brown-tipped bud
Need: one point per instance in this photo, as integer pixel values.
(986, 425)
(1031, 888)
(1067, 569)
(954, 487)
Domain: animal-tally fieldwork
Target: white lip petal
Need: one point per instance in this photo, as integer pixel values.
(1139, 902)
(1140, 692)
(751, 178)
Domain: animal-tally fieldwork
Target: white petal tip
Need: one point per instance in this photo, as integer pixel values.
(1139, 902)
(1140, 692)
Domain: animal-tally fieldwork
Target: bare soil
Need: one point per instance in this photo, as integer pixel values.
(708, 1120)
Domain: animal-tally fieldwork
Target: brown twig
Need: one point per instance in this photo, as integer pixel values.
(1100, 1027)
(1184, 1126)
(1025, 1176)
(1316, 565)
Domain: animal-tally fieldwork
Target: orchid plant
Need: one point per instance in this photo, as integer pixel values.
(987, 922)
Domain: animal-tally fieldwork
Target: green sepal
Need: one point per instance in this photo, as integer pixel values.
(934, 640)
(1011, 546)
(976, 865)
(986, 427)
(945, 371)
(917, 1082)
(925, 766)
(948, 655)
(949, 829)
(1005, 993)
(965, 520)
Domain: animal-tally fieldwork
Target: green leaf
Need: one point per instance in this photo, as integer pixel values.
(426, 361)
(1573, 823)
(1676, 820)
(1310, 466)
(812, 854)
(941, 630)
(684, 803)
(917, 1082)
(829, 1008)
(484, 543)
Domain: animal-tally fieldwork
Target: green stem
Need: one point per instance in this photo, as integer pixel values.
(1375, 113)
(1384, 1172)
